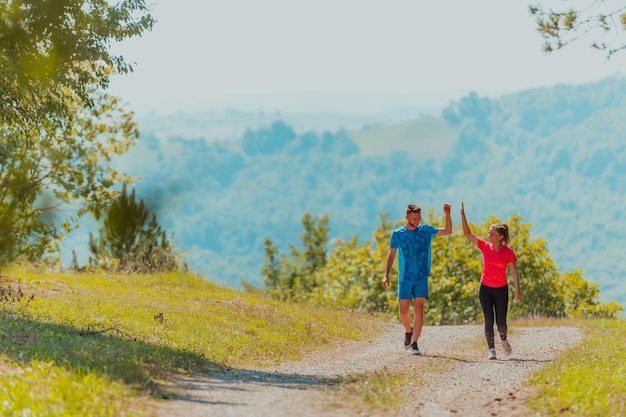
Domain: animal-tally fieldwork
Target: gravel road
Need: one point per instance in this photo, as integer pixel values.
(458, 379)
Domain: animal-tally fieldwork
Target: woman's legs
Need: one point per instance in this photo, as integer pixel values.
(486, 299)
(501, 301)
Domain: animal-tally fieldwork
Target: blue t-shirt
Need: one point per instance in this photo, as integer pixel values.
(413, 251)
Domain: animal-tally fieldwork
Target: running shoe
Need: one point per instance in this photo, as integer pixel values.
(407, 339)
(507, 347)
(414, 349)
(492, 355)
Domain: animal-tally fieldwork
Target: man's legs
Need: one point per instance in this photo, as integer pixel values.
(418, 317)
(404, 307)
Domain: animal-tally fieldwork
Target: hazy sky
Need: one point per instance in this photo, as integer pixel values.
(351, 56)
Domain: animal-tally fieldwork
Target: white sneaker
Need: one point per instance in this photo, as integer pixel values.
(492, 355)
(507, 347)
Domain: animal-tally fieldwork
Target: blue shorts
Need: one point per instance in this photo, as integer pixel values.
(408, 290)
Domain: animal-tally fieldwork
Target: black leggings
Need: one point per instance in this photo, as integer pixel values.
(494, 300)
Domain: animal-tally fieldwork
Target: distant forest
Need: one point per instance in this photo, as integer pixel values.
(556, 156)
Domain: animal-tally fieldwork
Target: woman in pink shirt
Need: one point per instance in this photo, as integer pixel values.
(494, 289)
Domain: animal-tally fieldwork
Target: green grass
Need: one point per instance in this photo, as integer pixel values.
(104, 345)
(589, 380)
(108, 342)
(43, 389)
(373, 392)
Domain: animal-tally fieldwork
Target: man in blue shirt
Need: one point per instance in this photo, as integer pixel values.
(412, 243)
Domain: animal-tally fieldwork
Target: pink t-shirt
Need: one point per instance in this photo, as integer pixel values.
(494, 264)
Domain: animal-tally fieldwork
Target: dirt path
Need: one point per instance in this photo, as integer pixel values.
(459, 380)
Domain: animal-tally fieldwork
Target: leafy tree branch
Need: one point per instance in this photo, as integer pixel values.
(561, 28)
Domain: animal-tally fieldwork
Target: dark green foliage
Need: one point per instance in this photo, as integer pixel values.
(267, 141)
(271, 268)
(292, 277)
(314, 238)
(131, 238)
(338, 145)
(43, 40)
(472, 108)
(473, 115)
(8, 240)
(59, 130)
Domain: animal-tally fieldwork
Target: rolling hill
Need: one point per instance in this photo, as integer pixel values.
(555, 155)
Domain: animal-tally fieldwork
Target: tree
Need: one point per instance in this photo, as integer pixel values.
(457, 266)
(58, 128)
(560, 28)
(52, 44)
(542, 287)
(350, 277)
(127, 236)
(455, 273)
(314, 238)
(268, 140)
(279, 273)
(293, 276)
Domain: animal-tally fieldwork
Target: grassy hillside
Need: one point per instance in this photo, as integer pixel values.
(426, 137)
(555, 156)
(103, 345)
